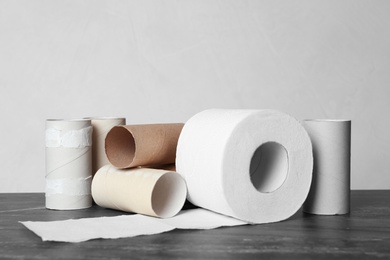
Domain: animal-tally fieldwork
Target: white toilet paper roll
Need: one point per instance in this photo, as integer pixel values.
(254, 165)
(68, 164)
(101, 126)
(330, 190)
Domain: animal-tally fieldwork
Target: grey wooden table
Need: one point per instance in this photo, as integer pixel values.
(362, 234)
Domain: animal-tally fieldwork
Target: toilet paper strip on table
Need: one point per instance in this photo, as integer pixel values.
(79, 230)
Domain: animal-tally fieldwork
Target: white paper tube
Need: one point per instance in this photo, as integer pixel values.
(68, 164)
(254, 165)
(330, 190)
(101, 126)
(146, 191)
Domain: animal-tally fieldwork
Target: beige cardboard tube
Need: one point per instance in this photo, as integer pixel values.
(68, 164)
(168, 167)
(330, 190)
(146, 191)
(101, 126)
(142, 145)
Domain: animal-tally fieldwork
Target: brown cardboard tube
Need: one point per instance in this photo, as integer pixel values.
(142, 145)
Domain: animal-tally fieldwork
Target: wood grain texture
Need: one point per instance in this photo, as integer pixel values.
(362, 234)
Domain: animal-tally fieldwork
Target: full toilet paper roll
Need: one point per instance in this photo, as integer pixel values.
(330, 190)
(101, 126)
(147, 191)
(142, 145)
(68, 164)
(254, 165)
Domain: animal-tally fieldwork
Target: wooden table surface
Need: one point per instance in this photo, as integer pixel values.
(362, 234)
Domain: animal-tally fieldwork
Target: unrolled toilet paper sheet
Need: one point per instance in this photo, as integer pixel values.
(79, 230)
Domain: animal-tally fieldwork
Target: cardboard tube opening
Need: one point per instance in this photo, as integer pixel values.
(169, 195)
(328, 120)
(269, 167)
(120, 147)
(68, 120)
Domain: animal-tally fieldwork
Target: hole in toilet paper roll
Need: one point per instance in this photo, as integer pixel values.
(169, 195)
(269, 167)
(120, 147)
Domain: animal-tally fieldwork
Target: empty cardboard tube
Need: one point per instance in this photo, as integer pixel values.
(168, 167)
(68, 164)
(101, 126)
(330, 190)
(142, 145)
(152, 192)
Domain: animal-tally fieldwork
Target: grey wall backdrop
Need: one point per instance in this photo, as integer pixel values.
(164, 61)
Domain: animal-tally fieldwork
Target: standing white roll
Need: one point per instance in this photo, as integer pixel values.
(254, 165)
(68, 164)
(330, 190)
(101, 126)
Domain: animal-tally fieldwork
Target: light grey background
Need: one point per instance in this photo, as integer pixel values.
(164, 61)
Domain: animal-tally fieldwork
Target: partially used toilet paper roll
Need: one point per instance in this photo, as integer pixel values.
(68, 164)
(146, 191)
(142, 145)
(101, 126)
(254, 165)
(330, 190)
